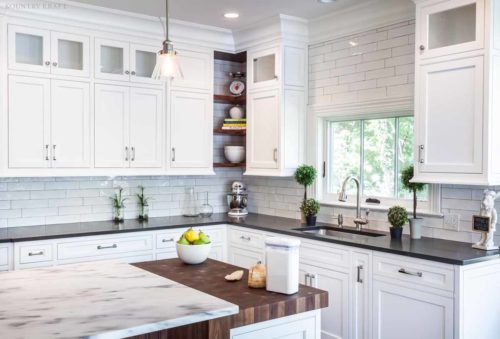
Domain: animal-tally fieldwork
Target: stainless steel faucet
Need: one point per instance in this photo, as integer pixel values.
(359, 221)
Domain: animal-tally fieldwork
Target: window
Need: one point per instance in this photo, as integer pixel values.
(374, 151)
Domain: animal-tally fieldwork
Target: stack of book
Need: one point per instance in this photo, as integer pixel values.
(235, 124)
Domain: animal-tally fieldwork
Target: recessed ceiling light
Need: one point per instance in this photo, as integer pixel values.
(353, 43)
(231, 15)
(327, 1)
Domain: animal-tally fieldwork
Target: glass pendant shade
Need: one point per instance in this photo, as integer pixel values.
(167, 66)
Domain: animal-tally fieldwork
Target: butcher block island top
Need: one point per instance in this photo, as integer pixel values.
(255, 305)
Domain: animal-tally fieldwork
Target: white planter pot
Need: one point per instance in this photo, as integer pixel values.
(416, 228)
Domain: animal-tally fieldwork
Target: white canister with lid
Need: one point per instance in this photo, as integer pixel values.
(282, 263)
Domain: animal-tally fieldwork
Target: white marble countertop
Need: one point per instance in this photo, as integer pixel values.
(98, 300)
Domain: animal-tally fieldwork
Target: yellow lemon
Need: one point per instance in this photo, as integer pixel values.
(191, 235)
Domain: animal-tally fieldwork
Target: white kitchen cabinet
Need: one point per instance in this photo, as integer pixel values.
(123, 61)
(44, 51)
(128, 127)
(360, 300)
(190, 130)
(334, 318)
(264, 67)
(243, 257)
(449, 27)
(197, 70)
(401, 311)
(52, 128)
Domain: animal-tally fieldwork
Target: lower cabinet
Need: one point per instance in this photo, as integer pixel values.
(405, 312)
(361, 294)
(244, 258)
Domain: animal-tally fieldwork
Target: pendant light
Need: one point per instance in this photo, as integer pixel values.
(167, 65)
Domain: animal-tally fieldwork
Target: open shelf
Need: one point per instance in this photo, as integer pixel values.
(228, 165)
(230, 99)
(238, 57)
(240, 132)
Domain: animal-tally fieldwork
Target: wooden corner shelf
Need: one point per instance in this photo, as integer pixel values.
(238, 132)
(229, 165)
(230, 99)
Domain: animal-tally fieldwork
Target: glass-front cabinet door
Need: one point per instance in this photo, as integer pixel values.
(29, 49)
(70, 54)
(112, 60)
(142, 63)
(451, 27)
(263, 68)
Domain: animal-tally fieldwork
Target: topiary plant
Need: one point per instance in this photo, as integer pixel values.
(310, 207)
(305, 176)
(413, 187)
(397, 216)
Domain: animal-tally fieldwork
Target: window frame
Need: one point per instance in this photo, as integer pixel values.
(429, 207)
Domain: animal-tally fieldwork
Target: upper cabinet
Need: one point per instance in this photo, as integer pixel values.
(456, 77)
(276, 109)
(123, 61)
(43, 51)
(197, 70)
(449, 27)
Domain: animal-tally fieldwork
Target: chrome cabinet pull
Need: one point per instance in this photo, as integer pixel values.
(47, 152)
(105, 247)
(47, 63)
(168, 240)
(308, 276)
(245, 238)
(416, 274)
(54, 64)
(420, 151)
(133, 154)
(275, 154)
(126, 153)
(359, 279)
(313, 277)
(32, 254)
(422, 48)
(127, 72)
(133, 73)
(173, 153)
(54, 152)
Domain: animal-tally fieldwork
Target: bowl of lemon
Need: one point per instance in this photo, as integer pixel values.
(193, 247)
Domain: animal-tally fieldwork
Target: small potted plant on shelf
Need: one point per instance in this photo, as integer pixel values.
(413, 187)
(118, 205)
(143, 205)
(397, 217)
(310, 209)
(305, 176)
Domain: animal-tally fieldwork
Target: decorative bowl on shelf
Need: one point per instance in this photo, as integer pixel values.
(234, 154)
(193, 254)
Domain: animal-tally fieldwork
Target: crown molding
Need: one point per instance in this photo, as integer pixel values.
(361, 18)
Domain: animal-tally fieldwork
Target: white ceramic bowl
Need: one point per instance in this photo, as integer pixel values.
(234, 154)
(193, 254)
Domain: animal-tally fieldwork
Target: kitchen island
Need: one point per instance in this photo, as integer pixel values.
(118, 300)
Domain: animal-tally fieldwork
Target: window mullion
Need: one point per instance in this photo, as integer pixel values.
(396, 159)
(362, 157)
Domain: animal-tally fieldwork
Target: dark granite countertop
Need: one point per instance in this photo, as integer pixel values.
(439, 250)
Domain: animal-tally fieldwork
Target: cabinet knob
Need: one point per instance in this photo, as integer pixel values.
(133, 73)
(47, 63)
(422, 48)
(54, 64)
(127, 72)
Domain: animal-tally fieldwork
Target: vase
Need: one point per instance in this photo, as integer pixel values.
(311, 220)
(396, 232)
(143, 212)
(416, 228)
(118, 213)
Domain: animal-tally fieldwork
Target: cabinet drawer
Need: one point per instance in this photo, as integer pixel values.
(103, 247)
(35, 253)
(327, 255)
(4, 256)
(246, 239)
(167, 239)
(414, 271)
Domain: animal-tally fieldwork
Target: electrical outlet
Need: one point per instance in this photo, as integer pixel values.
(451, 221)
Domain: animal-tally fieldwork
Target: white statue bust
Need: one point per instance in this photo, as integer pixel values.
(488, 210)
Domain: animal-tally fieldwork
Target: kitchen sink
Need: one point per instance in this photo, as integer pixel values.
(338, 232)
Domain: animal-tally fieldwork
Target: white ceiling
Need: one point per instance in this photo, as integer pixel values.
(210, 12)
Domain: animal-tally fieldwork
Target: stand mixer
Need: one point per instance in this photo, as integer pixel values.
(237, 200)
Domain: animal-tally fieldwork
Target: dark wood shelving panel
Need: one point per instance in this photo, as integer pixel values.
(228, 165)
(230, 99)
(238, 132)
(238, 57)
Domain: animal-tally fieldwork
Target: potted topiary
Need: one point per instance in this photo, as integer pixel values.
(397, 217)
(413, 187)
(305, 176)
(310, 208)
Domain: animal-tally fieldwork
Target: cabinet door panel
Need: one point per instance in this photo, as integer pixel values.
(29, 49)
(112, 60)
(196, 68)
(70, 124)
(450, 117)
(361, 297)
(403, 312)
(244, 258)
(334, 318)
(29, 128)
(70, 54)
(111, 126)
(264, 68)
(142, 63)
(190, 130)
(263, 130)
(146, 126)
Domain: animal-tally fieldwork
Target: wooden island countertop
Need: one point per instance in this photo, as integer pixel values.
(256, 305)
